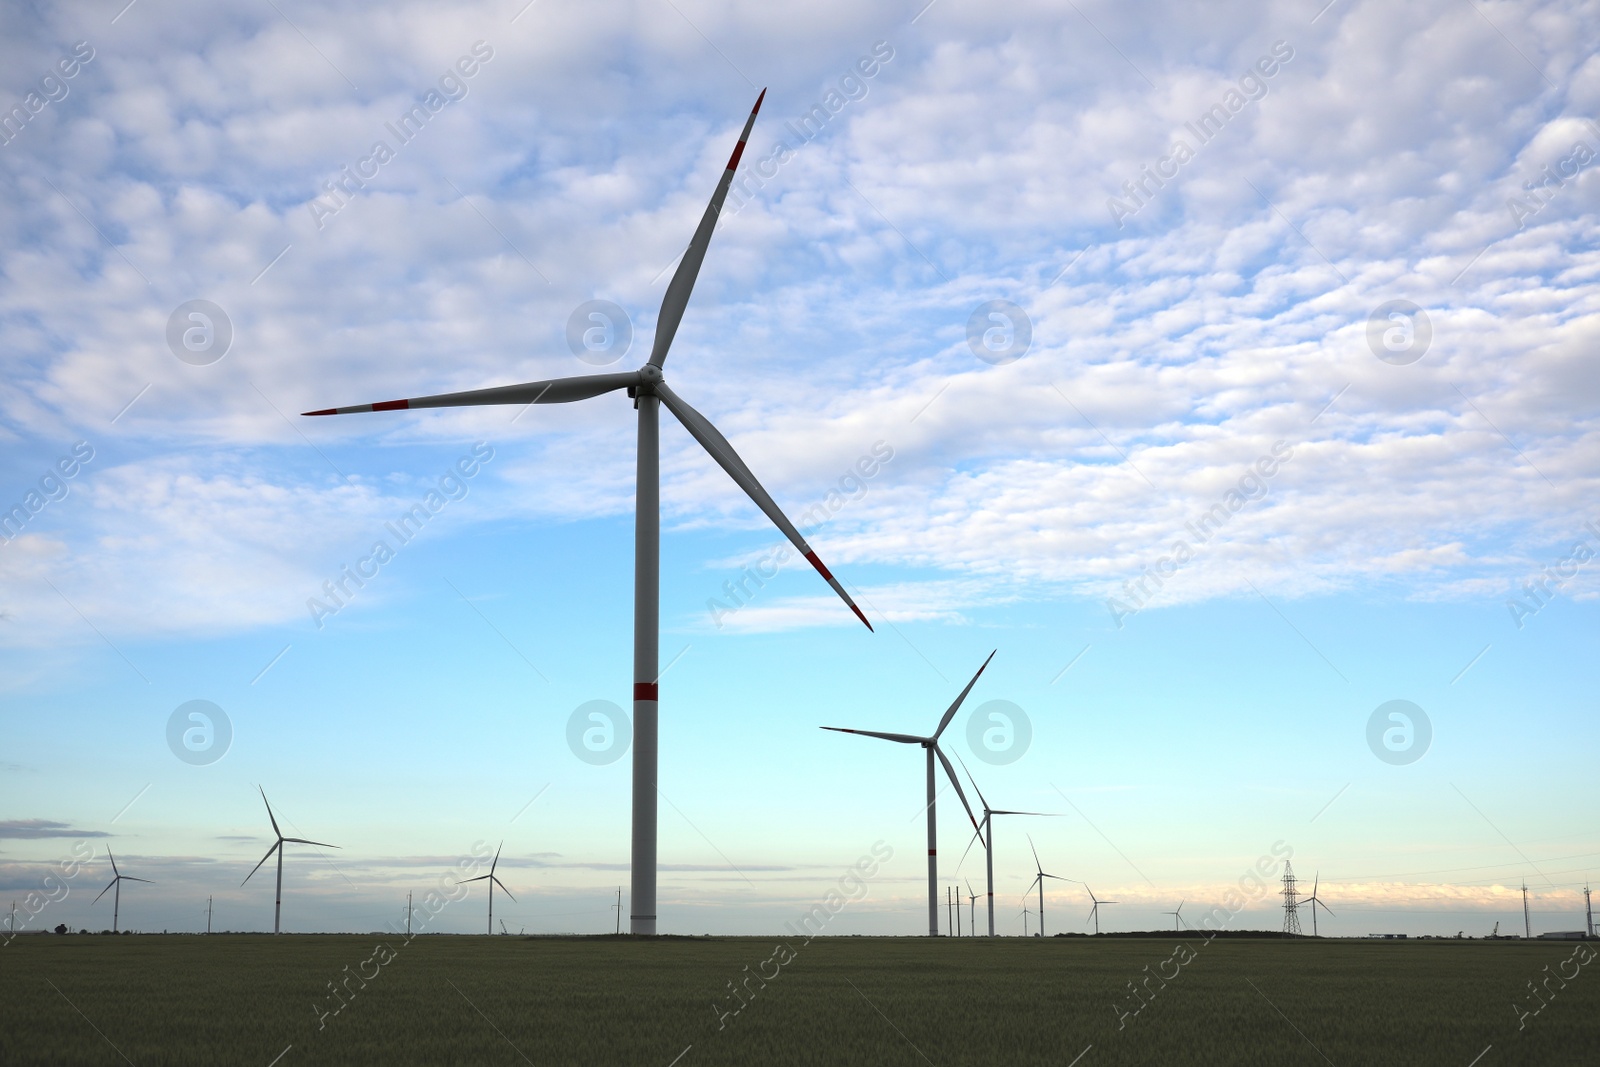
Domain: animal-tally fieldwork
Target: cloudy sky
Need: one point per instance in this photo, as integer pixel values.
(1231, 372)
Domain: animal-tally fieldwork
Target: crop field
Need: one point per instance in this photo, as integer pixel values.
(378, 999)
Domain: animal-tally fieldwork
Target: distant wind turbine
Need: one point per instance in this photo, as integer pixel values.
(985, 833)
(1177, 916)
(493, 881)
(117, 878)
(1025, 913)
(972, 909)
(931, 746)
(1315, 902)
(649, 392)
(1039, 880)
(1094, 912)
(277, 846)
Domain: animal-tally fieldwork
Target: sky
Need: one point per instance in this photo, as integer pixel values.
(1227, 372)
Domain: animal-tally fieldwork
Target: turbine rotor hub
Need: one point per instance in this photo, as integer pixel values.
(650, 374)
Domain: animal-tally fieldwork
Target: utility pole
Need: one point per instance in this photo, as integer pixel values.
(208, 916)
(958, 910)
(1527, 925)
(949, 926)
(1588, 914)
(619, 911)
(408, 915)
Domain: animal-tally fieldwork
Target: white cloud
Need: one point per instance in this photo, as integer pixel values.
(1188, 341)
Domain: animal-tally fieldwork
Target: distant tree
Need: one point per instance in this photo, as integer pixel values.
(61, 928)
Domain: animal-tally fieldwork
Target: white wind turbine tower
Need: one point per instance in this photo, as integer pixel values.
(277, 846)
(1177, 916)
(649, 392)
(1094, 912)
(117, 878)
(972, 910)
(985, 833)
(1039, 880)
(931, 746)
(493, 881)
(1315, 902)
(1025, 913)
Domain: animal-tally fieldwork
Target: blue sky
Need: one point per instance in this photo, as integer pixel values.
(1216, 341)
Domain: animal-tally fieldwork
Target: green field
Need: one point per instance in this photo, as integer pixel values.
(151, 1000)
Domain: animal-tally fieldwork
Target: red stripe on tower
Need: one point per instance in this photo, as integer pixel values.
(647, 691)
(392, 405)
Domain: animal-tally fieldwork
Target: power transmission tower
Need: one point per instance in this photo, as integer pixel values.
(1291, 903)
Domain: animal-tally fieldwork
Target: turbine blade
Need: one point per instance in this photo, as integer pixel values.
(275, 846)
(497, 849)
(480, 878)
(682, 284)
(1036, 864)
(952, 712)
(981, 798)
(114, 870)
(904, 739)
(951, 773)
(503, 888)
(303, 841)
(553, 391)
(131, 878)
(276, 832)
(975, 837)
(103, 892)
(712, 441)
(1045, 814)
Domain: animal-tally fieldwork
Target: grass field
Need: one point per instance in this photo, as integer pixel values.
(508, 1000)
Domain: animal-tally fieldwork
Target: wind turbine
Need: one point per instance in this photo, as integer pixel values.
(986, 834)
(493, 881)
(1039, 878)
(1094, 912)
(1025, 914)
(1177, 916)
(972, 909)
(931, 746)
(117, 878)
(277, 900)
(1315, 902)
(649, 392)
